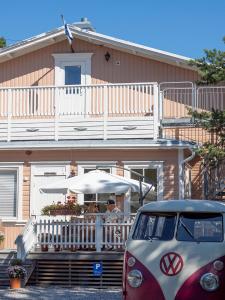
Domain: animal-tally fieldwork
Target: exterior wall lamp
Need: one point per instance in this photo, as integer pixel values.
(107, 56)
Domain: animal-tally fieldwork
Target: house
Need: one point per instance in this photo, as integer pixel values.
(110, 103)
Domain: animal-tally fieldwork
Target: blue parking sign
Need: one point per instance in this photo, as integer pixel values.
(97, 269)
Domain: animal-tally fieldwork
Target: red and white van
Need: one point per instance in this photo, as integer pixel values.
(176, 251)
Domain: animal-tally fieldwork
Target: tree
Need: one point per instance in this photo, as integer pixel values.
(212, 152)
(211, 67)
(2, 42)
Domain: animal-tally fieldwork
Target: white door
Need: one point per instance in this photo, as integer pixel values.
(72, 74)
(72, 98)
(42, 176)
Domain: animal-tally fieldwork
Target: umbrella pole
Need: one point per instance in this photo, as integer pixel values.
(141, 193)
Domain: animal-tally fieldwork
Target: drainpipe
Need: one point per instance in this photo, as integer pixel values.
(181, 169)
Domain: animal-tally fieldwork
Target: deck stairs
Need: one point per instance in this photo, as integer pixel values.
(5, 259)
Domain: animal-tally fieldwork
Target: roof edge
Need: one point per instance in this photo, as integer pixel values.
(39, 41)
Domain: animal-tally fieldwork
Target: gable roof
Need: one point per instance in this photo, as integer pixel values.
(51, 37)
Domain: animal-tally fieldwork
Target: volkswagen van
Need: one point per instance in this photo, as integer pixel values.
(176, 251)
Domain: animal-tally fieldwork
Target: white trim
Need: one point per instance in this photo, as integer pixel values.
(180, 173)
(42, 40)
(18, 167)
(83, 59)
(94, 144)
(148, 164)
(96, 163)
(14, 222)
(11, 163)
(60, 162)
(34, 167)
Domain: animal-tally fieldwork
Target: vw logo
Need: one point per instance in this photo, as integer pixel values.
(171, 264)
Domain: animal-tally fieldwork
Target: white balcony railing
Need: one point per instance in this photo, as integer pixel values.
(86, 232)
(98, 111)
(177, 97)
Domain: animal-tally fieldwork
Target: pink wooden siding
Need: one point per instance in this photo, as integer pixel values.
(37, 68)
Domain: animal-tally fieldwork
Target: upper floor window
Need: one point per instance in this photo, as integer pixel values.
(72, 68)
(72, 75)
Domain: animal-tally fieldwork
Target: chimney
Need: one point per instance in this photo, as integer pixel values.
(84, 24)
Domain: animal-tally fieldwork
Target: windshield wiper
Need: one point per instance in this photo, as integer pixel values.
(187, 230)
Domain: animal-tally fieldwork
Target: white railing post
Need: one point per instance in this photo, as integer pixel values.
(105, 112)
(57, 98)
(9, 114)
(26, 240)
(98, 233)
(155, 111)
(160, 106)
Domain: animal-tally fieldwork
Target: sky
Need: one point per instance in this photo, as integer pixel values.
(184, 27)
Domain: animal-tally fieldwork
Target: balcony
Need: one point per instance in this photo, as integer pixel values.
(106, 111)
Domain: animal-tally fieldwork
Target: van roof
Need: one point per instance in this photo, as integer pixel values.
(184, 206)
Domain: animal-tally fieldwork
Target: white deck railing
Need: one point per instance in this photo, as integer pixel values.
(75, 112)
(81, 100)
(177, 97)
(86, 232)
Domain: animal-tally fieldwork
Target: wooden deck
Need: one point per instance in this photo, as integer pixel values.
(76, 269)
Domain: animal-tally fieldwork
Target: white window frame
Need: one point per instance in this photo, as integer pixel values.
(34, 167)
(148, 164)
(19, 196)
(81, 165)
(71, 59)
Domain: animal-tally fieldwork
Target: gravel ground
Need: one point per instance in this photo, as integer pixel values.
(56, 293)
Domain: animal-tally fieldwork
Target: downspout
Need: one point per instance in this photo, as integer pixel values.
(181, 171)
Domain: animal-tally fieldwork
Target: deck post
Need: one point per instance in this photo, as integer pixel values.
(9, 114)
(155, 111)
(98, 233)
(105, 112)
(57, 98)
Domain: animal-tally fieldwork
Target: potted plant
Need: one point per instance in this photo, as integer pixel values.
(44, 238)
(68, 208)
(57, 245)
(16, 273)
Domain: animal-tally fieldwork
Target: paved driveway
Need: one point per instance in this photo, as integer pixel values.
(56, 293)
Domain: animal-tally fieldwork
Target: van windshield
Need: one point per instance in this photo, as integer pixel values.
(155, 226)
(203, 227)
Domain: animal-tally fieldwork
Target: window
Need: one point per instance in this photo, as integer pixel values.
(97, 198)
(72, 75)
(200, 227)
(155, 226)
(150, 177)
(8, 193)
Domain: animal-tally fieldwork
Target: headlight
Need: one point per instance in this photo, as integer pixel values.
(134, 278)
(209, 282)
(131, 261)
(218, 265)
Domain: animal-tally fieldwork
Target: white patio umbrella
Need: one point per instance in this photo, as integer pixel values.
(96, 182)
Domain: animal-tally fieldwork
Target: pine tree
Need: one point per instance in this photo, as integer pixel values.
(2, 42)
(211, 69)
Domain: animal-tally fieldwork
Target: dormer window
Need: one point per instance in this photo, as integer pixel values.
(72, 69)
